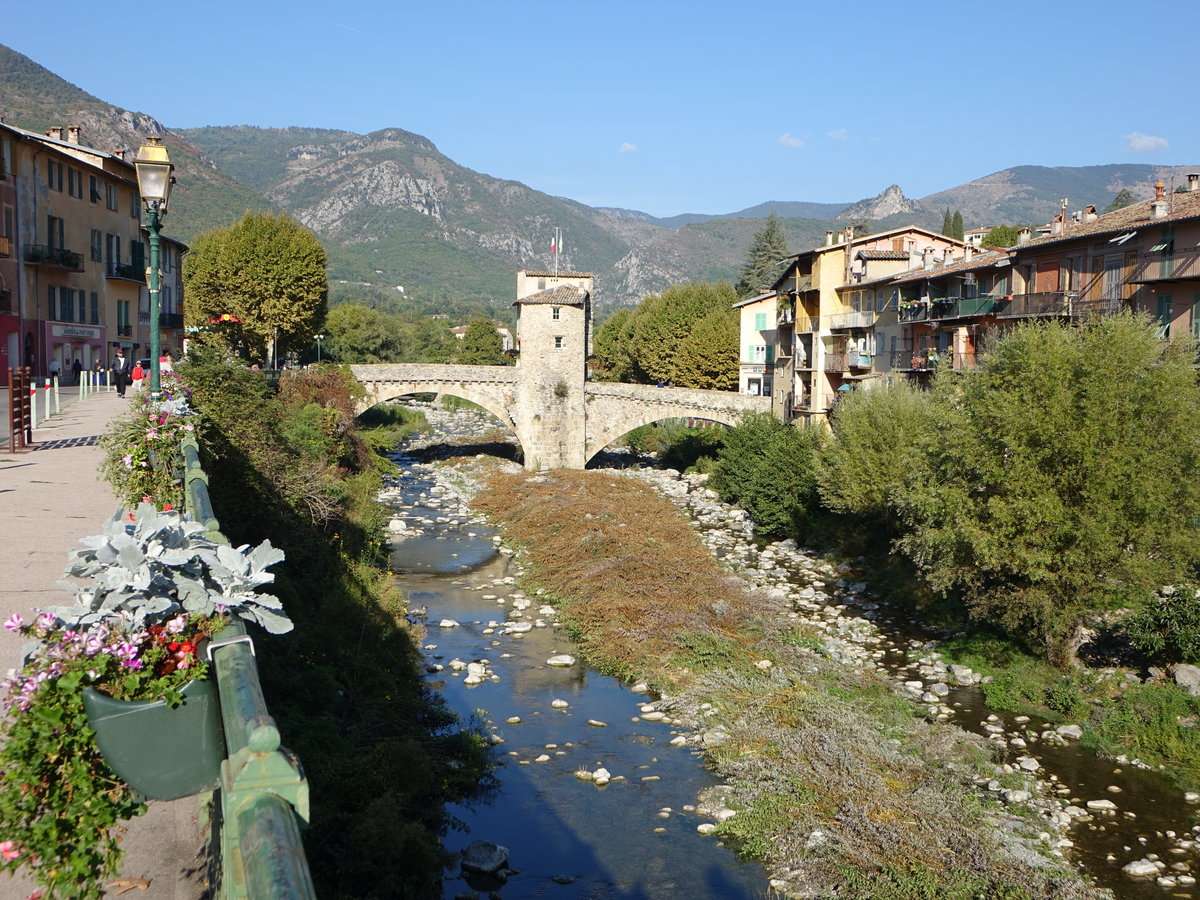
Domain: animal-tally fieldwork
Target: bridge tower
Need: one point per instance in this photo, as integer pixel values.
(554, 332)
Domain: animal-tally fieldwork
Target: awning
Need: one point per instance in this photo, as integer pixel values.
(1122, 238)
(846, 387)
(1161, 245)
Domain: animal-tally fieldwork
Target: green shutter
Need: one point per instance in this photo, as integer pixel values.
(1164, 316)
(760, 321)
(770, 353)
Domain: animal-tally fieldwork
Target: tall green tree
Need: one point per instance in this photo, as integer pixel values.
(708, 357)
(947, 223)
(766, 259)
(1124, 197)
(267, 272)
(956, 226)
(481, 345)
(665, 321)
(1063, 478)
(1001, 236)
(613, 348)
(360, 334)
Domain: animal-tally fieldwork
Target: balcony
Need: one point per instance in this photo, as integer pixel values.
(806, 324)
(842, 321)
(1182, 265)
(857, 359)
(126, 272)
(927, 359)
(1048, 304)
(45, 255)
(962, 307)
(786, 317)
(170, 320)
(124, 331)
(914, 311)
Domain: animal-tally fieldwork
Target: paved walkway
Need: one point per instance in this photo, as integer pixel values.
(51, 497)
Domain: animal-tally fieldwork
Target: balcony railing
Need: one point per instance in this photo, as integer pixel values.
(1067, 304)
(1179, 266)
(836, 362)
(807, 323)
(786, 317)
(959, 307)
(859, 360)
(170, 320)
(45, 255)
(926, 360)
(127, 272)
(864, 319)
(124, 331)
(914, 312)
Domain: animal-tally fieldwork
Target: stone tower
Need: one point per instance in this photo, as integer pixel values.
(554, 332)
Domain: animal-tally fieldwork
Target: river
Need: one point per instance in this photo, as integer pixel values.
(637, 837)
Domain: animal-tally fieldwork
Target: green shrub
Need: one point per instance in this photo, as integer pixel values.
(1154, 722)
(1168, 627)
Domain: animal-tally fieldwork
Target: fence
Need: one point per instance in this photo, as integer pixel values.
(255, 850)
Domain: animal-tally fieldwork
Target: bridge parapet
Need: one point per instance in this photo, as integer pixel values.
(724, 401)
(409, 372)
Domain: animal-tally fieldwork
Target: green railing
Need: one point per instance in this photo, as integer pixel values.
(255, 814)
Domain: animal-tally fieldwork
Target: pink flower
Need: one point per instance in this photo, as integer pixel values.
(127, 459)
(9, 851)
(14, 622)
(176, 625)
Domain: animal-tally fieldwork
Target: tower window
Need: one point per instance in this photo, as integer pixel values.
(556, 313)
(558, 342)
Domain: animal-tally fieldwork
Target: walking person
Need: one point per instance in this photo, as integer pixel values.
(120, 369)
(77, 369)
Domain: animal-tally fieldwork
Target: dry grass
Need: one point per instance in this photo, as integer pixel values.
(636, 587)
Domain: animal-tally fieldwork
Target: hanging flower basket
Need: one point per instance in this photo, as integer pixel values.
(162, 752)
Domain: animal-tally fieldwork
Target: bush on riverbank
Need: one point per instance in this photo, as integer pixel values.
(835, 780)
(383, 756)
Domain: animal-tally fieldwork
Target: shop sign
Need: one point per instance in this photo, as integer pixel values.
(76, 331)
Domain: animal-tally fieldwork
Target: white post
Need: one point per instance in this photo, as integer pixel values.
(32, 404)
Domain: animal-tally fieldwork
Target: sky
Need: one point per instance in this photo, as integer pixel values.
(665, 106)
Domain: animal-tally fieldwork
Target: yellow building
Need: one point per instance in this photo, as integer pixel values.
(76, 237)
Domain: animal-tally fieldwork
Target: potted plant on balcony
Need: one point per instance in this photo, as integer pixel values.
(148, 594)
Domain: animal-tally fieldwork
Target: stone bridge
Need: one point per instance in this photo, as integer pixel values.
(563, 421)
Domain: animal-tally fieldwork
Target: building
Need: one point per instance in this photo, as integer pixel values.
(73, 255)
(758, 319)
(832, 301)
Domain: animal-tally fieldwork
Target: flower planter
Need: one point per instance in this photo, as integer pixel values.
(161, 752)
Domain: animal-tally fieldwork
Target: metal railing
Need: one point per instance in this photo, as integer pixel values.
(170, 320)
(959, 307)
(914, 312)
(786, 316)
(124, 331)
(127, 271)
(926, 360)
(862, 319)
(262, 801)
(1066, 304)
(44, 254)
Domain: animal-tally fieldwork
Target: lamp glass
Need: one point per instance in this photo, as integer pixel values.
(154, 169)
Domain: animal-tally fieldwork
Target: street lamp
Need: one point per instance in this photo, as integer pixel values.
(154, 184)
(319, 337)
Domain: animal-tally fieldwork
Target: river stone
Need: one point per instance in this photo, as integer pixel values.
(484, 856)
(559, 704)
(1069, 731)
(1101, 804)
(1188, 677)
(706, 828)
(602, 776)
(1140, 868)
(1028, 764)
(447, 623)
(561, 660)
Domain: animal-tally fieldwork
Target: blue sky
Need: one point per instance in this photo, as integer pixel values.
(667, 106)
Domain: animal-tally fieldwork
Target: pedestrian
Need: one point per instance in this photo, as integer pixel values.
(137, 375)
(55, 369)
(120, 370)
(77, 369)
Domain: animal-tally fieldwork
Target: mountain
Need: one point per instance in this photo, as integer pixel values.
(409, 229)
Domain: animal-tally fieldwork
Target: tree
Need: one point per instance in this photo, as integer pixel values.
(359, 334)
(765, 261)
(266, 271)
(873, 450)
(613, 346)
(1063, 479)
(666, 320)
(1001, 236)
(481, 345)
(708, 357)
(947, 223)
(956, 226)
(1123, 198)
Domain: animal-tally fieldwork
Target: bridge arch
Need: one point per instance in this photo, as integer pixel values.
(395, 391)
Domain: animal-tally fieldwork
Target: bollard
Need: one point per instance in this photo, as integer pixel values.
(32, 404)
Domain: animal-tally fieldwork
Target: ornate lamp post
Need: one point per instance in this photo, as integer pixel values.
(319, 337)
(154, 184)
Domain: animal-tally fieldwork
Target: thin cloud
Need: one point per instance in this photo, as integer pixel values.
(789, 141)
(1144, 143)
(627, 148)
(838, 134)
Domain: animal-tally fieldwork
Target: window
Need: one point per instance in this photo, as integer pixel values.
(111, 196)
(93, 189)
(97, 245)
(1112, 279)
(95, 308)
(137, 254)
(54, 175)
(135, 208)
(54, 232)
(541, 284)
(122, 314)
(556, 313)
(75, 183)
(51, 307)
(113, 245)
(167, 303)
(1164, 316)
(760, 321)
(66, 304)
(558, 342)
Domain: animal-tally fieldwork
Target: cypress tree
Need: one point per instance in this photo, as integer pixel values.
(956, 227)
(764, 263)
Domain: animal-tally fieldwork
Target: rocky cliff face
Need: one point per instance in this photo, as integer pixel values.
(888, 203)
